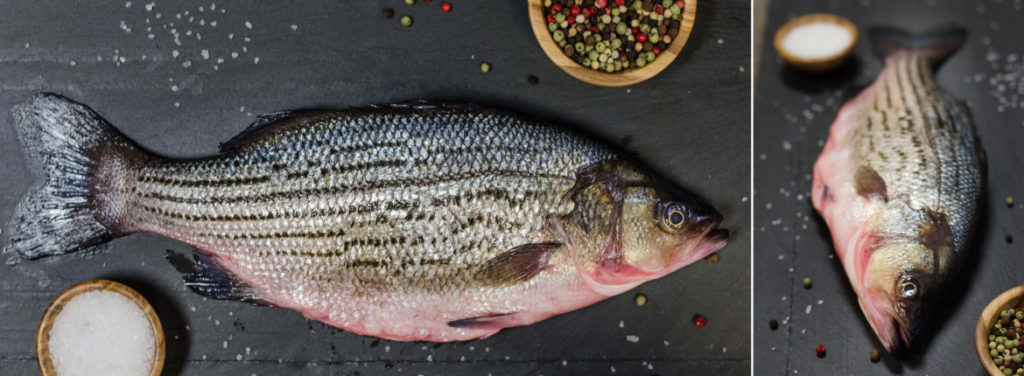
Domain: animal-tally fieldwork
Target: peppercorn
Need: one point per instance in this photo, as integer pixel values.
(1009, 238)
(533, 80)
(699, 321)
(640, 299)
(1009, 202)
(820, 350)
(773, 324)
(713, 258)
(874, 356)
(388, 13)
(807, 283)
(485, 67)
(406, 21)
(410, 2)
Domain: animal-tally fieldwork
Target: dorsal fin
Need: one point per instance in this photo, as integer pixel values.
(286, 120)
(269, 123)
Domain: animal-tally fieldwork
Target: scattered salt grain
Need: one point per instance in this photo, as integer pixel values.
(248, 25)
(101, 333)
(816, 40)
(632, 338)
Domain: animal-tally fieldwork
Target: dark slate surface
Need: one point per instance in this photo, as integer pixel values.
(691, 122)
(792, 116)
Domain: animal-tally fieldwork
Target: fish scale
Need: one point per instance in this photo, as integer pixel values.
(933, 143)
(899, 184)
(411, 222)
(442, 176)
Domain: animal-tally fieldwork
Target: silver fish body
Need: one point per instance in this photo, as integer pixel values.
(899, 184)
(410, 222)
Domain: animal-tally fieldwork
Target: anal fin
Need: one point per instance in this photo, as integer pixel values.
(206, 277)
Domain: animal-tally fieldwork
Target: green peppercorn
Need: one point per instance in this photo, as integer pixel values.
(641, 62)
(807, 283)
(621, 28)
(410, 2)
(406, 21)
(641, 299)
(558, 35)
(485, 67)
(552, 26)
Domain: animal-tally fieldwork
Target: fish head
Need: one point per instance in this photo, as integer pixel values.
(661, 231)
(903, 276)
(634, 229)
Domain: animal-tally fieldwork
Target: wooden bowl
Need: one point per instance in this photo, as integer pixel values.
(817, 65)
(599, 78)
(43, 334)
(1011, 298)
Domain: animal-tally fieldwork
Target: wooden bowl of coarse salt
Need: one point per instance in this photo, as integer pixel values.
(817, 42)
(100, 327)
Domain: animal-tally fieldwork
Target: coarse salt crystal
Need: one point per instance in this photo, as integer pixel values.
(816, 40)
(101, 333)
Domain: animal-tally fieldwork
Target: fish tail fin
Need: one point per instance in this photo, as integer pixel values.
(936, 45)
(85, 166)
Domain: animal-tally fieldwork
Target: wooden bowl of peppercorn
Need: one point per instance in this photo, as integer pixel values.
(1012, 298)
(678, 34)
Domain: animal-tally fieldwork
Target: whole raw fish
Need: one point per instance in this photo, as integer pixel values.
(899, 184)
(407, 222)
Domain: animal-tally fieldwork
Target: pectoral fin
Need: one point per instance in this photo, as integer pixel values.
(518, 264)
(868, 183)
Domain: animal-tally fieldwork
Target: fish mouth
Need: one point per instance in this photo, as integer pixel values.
(894, 335)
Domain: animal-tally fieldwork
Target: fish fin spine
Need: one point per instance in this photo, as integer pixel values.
(517, 264)
(493, 321)
(82, 162)
(207, 276)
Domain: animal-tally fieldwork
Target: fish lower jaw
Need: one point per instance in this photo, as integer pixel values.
(884, 326)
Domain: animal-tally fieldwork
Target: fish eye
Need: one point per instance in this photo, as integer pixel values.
(675, 216)
(909, 287)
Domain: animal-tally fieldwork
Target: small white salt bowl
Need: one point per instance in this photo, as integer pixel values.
(105, 310)
(816, 42)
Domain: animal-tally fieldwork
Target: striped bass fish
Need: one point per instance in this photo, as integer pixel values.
(899, 184)
(420, 221)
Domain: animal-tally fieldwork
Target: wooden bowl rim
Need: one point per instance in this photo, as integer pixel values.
(1012, 296)
(816, 17)
(605, 79)
(58, 303)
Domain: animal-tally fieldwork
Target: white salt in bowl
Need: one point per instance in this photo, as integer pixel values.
(100, 327)
(816, 42)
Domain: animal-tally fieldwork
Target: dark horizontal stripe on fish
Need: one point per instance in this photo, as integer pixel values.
(341, 189)
(456, 199)
(205, 183)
